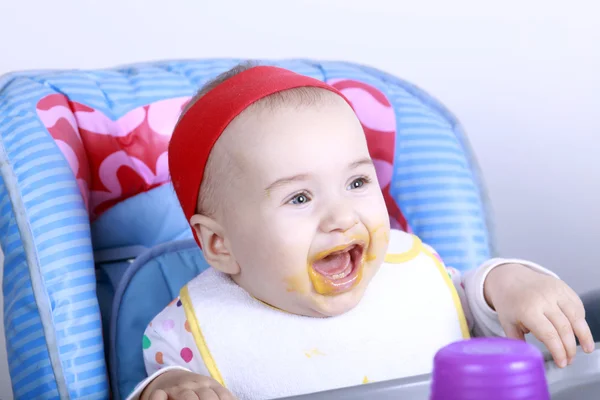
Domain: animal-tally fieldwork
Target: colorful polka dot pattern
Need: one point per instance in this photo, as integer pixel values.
(186, 354)
(168, 324)
(168, 341)
(146, 342)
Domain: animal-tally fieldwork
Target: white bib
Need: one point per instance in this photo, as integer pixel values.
(409, 311)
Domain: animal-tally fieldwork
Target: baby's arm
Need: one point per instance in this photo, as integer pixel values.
(486, 322)
(173, 363)
(481, 318)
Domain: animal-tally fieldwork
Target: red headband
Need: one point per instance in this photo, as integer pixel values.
(202, 125)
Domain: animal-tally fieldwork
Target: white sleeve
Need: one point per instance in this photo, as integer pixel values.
(168, 345)
(485, 319)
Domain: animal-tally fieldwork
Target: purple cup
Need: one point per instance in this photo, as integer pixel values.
(489, 369)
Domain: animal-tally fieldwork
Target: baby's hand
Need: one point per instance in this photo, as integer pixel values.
(529, 301)
(184, 385)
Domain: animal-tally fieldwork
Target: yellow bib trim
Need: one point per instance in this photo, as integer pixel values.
(399, 258)
(413, 252)
(209, 361)
(464, 327)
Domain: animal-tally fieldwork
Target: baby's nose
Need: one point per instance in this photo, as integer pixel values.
(340, 217)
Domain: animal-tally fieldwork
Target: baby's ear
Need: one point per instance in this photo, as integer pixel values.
(215, 245)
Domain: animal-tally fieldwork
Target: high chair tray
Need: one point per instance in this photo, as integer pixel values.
(580, 381)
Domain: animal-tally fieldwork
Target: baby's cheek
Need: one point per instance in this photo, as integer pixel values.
(379, 241)
(288, 264)
(297, 283)
(292, 273)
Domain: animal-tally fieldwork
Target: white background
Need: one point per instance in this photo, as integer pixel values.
(523, 77)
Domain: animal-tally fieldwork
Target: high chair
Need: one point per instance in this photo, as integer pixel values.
(94, 240)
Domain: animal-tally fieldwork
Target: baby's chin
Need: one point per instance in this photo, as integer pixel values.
(338, 304)
(301, 297)
(334, 305)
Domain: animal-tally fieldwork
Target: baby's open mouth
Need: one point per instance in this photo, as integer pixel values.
(338, 271)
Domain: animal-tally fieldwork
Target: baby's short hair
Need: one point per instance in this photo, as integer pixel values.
(302, 96)
(216, 81)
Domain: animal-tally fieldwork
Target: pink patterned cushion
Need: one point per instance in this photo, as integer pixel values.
(113, 160)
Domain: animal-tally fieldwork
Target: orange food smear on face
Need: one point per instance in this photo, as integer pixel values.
(324, 286)
(372, 253)
(295, 284)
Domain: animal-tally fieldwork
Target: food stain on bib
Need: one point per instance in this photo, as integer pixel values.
(313, 352)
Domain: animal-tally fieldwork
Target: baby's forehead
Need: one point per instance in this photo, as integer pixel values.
(295, 137)
(265, 132)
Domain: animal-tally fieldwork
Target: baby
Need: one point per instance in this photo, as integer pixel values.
(309, 288)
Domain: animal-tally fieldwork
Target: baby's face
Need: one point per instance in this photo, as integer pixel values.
(306, 219)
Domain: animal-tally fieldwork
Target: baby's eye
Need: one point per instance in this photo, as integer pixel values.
(299, 199)
(358, 183)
